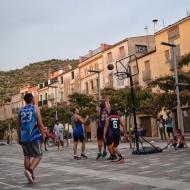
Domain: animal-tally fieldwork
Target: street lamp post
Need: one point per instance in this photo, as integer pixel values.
(99, 89)
(55, 87)
(179, 112)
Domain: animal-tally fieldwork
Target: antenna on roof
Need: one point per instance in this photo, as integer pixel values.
(188, 12)
(163, 22)
(146, 29)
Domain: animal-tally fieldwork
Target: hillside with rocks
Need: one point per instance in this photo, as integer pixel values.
(34, 73)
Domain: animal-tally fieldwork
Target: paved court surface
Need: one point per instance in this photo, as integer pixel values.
(169, 170)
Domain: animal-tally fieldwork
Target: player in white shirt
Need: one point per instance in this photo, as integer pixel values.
(59, 134)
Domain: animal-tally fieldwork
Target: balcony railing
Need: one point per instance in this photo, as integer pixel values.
(51, 97)
(40, 103)
(85, 91)
(135, 80)
(45, 102)
(146, 75)
(15, 110)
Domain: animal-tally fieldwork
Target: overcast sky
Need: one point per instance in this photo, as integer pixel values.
(36, 30)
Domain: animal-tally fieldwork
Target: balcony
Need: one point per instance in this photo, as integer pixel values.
(15, 110)
(146, 76)
(45, 102)
(136, 80)
(40, 103)
(51, 97)
(85, 91)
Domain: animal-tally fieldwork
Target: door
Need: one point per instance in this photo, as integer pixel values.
(146, 124)
(186, 119)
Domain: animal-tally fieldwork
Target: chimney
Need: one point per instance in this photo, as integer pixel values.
(80, 59)
(90, 53)
(155, 21)
(104, 46)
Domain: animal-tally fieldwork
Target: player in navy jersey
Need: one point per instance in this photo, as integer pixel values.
(30, 133)
(113, 124)
(78, 133)
(103, 111)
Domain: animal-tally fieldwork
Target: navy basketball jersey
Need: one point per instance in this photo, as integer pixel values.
(114, 124)
(29, 129)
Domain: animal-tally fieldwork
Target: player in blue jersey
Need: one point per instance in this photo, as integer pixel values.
(113, 124)
(103, 111)
(78, 133)
(30, 133)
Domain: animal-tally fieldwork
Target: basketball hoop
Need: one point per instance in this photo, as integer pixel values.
(123, 67)
(120, 75)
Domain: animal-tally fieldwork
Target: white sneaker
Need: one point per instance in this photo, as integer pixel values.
(29, 176)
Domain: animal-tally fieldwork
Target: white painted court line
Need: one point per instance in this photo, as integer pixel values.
(78, 188)
(13, 186)
(49, 184)
(118, 176)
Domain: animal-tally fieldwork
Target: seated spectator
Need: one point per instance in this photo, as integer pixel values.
(178, 141)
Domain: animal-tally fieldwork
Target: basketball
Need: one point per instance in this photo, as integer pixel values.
(110, 66)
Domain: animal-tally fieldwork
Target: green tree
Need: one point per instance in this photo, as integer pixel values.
(167, 98)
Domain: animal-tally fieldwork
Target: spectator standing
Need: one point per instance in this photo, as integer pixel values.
(161, 126)
(88, 130)
(59, 130)
(169, 125)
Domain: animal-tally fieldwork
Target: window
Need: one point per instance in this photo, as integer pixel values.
(110, 57)
(61, 80)
(141, 49)
(167, 56)
(72, 75)
(147, 65)
(46, 96)
(173, 33)
(96, 66)
(135, 77)
(92, 84)
(147, 72)
(111, 80)
(46, 83)
(86, 72)
(40, 97)
(120, 82)
(122, 52)
(41, 85)
(86, 86)
(97, 84)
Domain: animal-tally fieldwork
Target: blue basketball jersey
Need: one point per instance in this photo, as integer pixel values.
(29, 129)
(77, 127)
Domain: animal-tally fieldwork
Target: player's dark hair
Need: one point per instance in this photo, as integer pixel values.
(102, 105)
(28, 98)
(73, 110)
(114, 111)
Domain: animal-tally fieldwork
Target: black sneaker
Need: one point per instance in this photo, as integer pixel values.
(120, 158)
(104, 154)
(110, 157)
(83, 156)
(77, 157)
(114, 157)
(99, 155)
